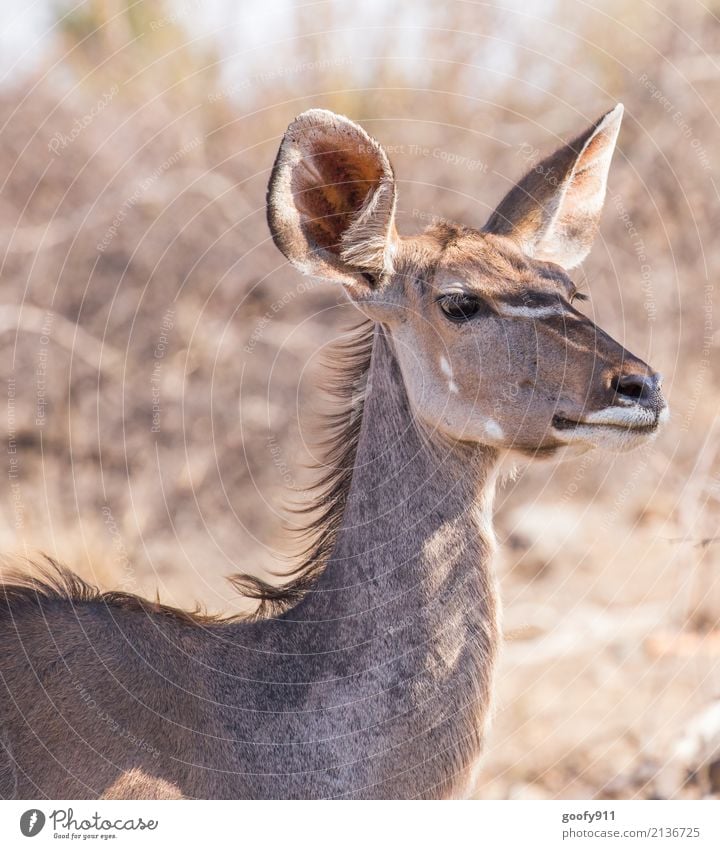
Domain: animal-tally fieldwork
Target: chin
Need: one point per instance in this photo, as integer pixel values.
(623, 443)
(555, 452)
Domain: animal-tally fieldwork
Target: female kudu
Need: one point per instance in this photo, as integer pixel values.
(369, 673)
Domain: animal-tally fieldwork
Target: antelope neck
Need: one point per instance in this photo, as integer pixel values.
(417, 518)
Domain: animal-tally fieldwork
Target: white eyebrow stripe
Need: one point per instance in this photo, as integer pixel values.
(531, 312)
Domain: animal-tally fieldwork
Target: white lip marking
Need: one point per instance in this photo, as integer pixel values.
(624, 417)
(630, 416)
(531, 312)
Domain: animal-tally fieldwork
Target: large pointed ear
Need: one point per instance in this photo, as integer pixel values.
(553, 212)
(331, 201)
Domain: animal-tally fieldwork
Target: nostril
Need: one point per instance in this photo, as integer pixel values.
(636, 386)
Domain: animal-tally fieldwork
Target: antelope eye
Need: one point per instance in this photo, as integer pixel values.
(460, 307)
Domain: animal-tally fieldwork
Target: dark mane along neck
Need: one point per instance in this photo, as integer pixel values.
(349, 367)
(32, 585)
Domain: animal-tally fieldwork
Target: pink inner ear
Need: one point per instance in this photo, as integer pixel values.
(329, 186)
(587, 188)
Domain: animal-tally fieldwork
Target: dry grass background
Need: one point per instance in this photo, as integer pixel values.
(137, 270)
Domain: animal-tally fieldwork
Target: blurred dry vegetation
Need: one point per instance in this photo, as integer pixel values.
(137, 271)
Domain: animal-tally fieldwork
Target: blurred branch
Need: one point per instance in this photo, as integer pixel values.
(67, 334)
(43, 236)
(212, 185)
(701, 543)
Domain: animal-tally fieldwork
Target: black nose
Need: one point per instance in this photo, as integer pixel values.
(643, 389)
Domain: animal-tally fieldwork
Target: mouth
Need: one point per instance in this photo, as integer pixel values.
(615, 427)
(564, 423)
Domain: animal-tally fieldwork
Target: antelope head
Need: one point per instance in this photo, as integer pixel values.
(483, 323)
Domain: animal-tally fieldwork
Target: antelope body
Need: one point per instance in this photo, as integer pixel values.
(368, 674)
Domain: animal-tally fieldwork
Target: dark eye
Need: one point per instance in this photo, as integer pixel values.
(578, 296)
(460, 307)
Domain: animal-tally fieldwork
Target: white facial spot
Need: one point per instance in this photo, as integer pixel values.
(493, 429)
(446, 369)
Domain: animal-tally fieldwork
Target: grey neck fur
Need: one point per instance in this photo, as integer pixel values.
(398, 635)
